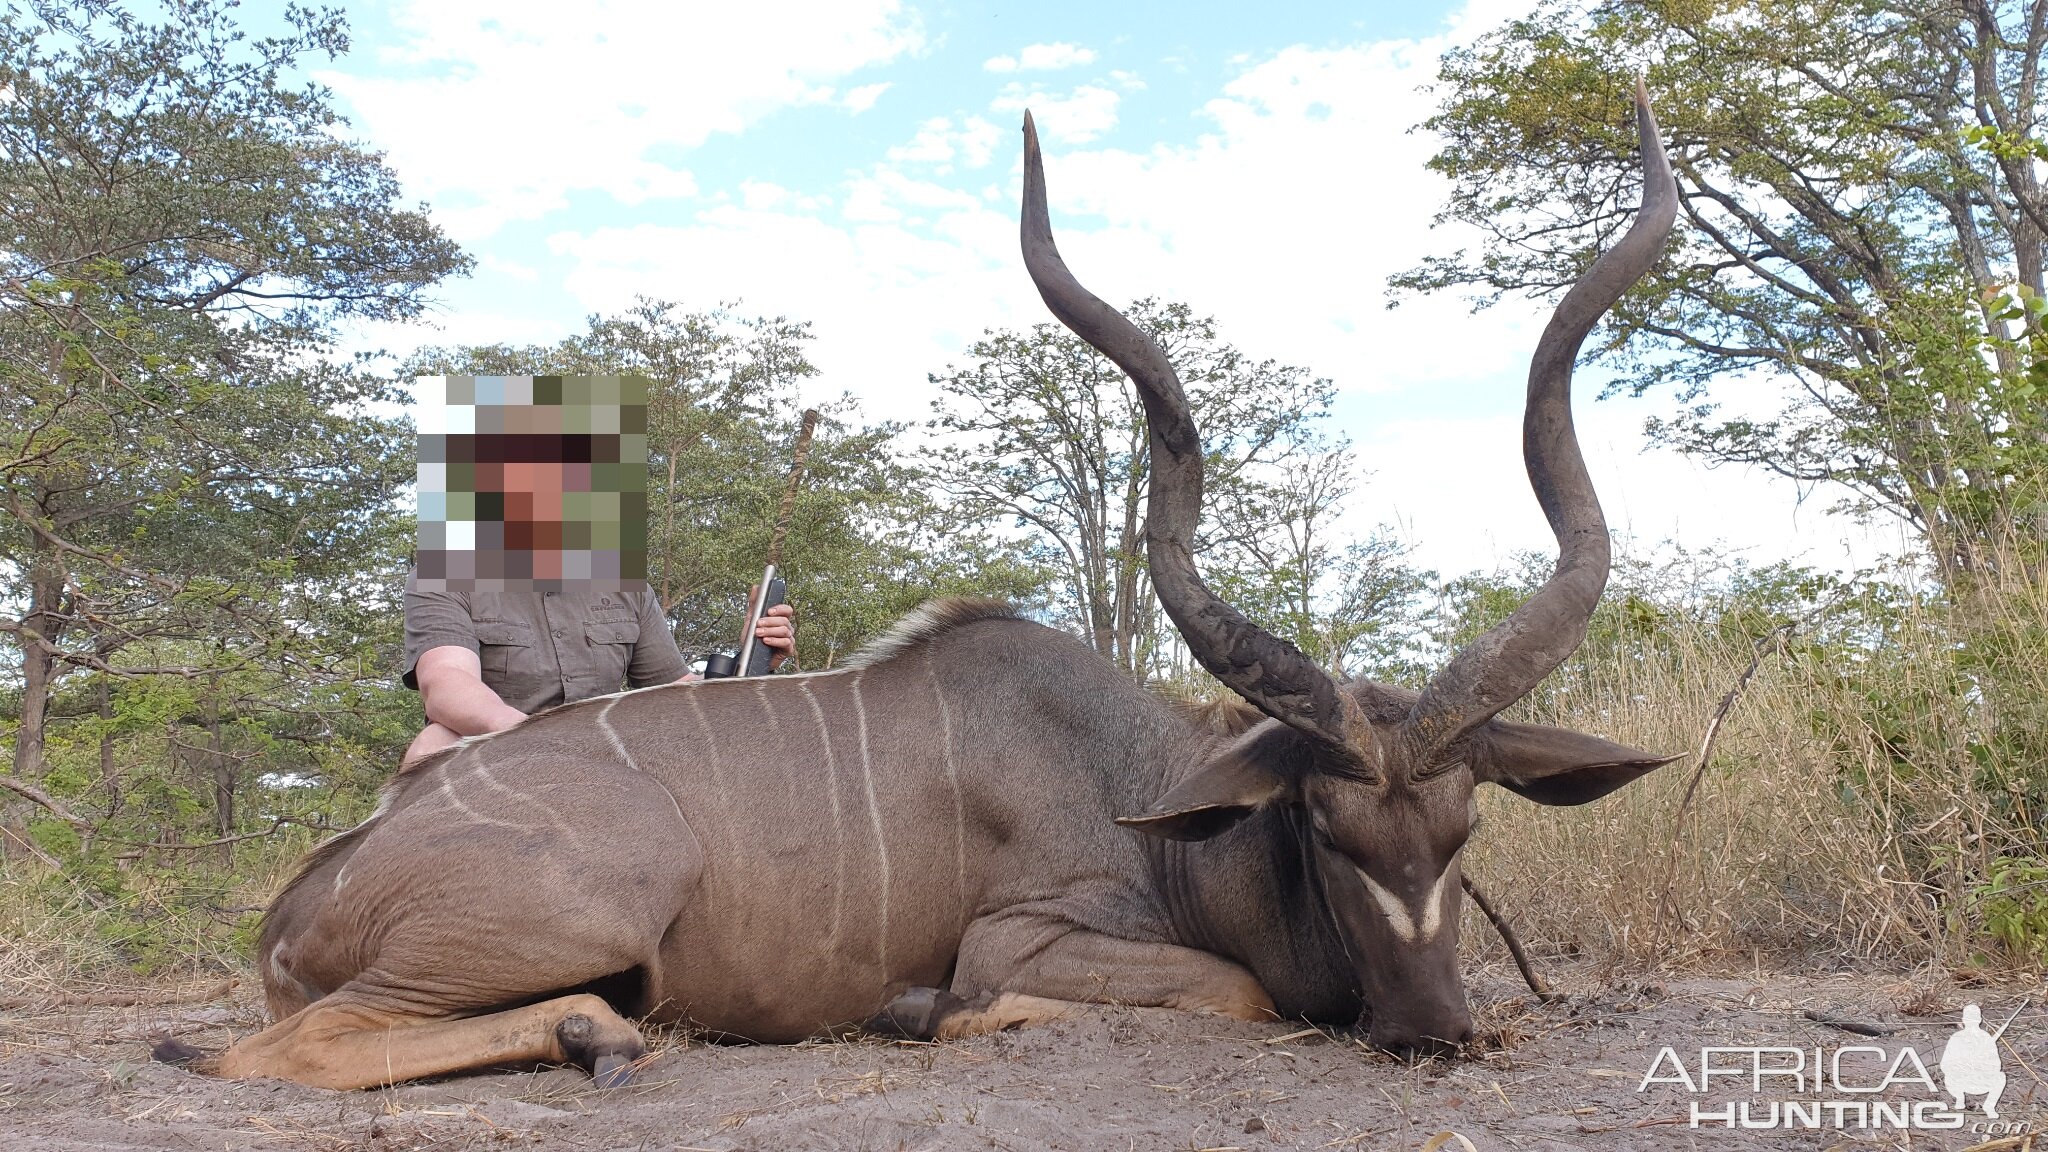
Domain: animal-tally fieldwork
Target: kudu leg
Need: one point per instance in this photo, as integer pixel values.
(936, 1014)
(342, 1042)
(1009, 975)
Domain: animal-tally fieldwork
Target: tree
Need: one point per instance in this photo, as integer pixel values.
(865, 544)
(1354, 606)
(1048, 437)
(185, 482)
(1865, 230)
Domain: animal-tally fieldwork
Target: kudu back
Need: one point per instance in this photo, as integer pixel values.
(976, 823)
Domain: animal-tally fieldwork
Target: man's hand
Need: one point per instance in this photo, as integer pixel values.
(777, 630)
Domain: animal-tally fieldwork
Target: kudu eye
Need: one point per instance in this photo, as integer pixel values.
(1321, 831)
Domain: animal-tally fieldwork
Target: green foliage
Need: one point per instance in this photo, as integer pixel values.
(1860, 226)
(200, 542)
(174, 914)
(2013, 901)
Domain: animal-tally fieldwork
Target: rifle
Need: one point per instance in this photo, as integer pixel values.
(757, 656)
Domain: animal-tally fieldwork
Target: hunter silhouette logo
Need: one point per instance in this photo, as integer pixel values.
(1970, 1064)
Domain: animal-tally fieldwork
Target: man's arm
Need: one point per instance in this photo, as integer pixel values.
(442, 662)
(455, 696)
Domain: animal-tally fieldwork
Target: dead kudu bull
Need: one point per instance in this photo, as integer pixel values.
(775, 857)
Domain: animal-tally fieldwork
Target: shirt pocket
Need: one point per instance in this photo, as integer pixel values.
(612, 632)
(611, 650)
(503, 645)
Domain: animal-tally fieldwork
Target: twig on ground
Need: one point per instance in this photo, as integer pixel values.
(1508, 937)
(1859, 1027)
(1655, 1122)
(2021, 1143)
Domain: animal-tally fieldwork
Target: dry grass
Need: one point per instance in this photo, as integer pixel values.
(1842, 815)
(63, 936)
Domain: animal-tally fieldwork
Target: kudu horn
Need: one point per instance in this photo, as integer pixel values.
(1266, 670)
(1502, 666)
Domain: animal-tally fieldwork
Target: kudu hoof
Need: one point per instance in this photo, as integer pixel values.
(612, 1071)
(609, 1060)
(169, 1049)
(914, 1015)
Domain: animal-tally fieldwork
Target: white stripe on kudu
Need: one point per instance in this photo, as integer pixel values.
(710, 748)
(604, 725)
(952, 778)
(767, 708)
(619, 746)
(867, 775)
(838, 825)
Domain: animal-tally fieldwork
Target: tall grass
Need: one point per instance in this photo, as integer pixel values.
(168, 917)
(1877, 775)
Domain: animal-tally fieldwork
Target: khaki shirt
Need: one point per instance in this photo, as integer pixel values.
(540, 649)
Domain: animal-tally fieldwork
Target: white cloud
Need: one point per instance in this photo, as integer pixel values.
(940, 142)
(761, 196)
(496, 110)
(894, 290)
(510, 269)
(1286, 219)
(1047, 57)
(863, 98)
(1041, 58)
(1075, 118)
(1456, 488)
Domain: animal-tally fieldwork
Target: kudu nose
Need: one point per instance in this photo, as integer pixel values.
(1420, 1038)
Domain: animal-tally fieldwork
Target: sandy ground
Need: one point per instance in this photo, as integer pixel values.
(74, 1075)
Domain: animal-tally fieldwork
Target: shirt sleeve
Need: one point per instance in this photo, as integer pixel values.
(435, 620)
(656, 659)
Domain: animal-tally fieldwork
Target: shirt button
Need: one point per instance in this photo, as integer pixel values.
(558, 632)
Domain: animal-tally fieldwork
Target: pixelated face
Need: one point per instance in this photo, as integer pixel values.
(532, 481)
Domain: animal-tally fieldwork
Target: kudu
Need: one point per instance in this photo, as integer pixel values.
(925, 839)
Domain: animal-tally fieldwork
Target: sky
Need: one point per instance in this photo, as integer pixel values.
(857, 164)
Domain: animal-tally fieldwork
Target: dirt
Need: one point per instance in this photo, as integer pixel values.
(74, 1075)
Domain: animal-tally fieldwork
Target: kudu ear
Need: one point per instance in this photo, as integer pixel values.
(1246, 774)
(1556, 765)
